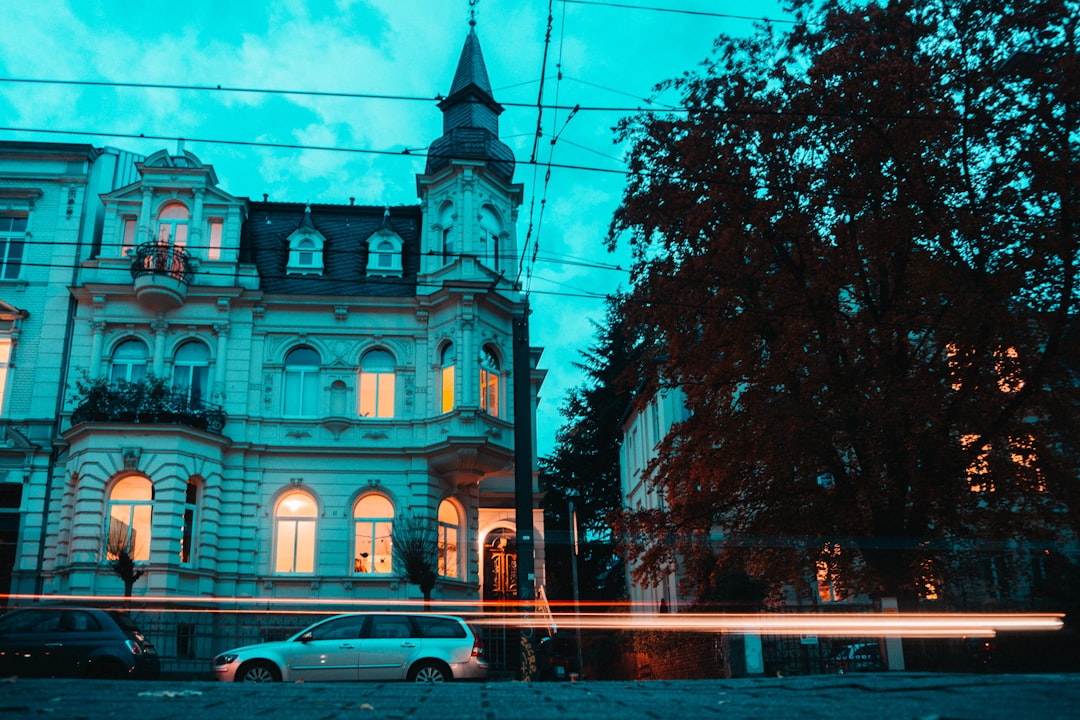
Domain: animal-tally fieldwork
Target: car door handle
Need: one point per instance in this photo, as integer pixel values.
(54, 645)
(346, 646)
(408, 644)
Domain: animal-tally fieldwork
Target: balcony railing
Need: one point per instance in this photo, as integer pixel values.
(154, 258)
(134, 403)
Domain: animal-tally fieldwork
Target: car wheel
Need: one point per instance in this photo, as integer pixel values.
(430, 672)
(105, 669)
(258, 671)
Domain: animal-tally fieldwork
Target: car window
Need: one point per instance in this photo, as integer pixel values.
(390, 626)
(78, 621)
(436, 627)
(35, 621)
(345, 628)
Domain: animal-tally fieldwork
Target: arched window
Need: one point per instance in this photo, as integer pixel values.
(446, 225)
(187, 535)
(376, 385)
(172, 226)
(449, 539)
(128, 362)
(446, 378)
(131, 502)
(489, 381)
(295, 518)
(305, 248)
(300, 391)
(373, 521)
(490, 230)
(191, 370)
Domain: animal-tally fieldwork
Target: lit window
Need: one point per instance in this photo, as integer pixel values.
(376, 383)
(446, 378)
(187, 533)
(828, 576)
(490, 229)
(173, 225)
(127, 242)
(294, 533)
(1007, 367)
(191, 371)
(130, 509)
(213, 247)
(1023, 453)
(449, 539)
(5, 366)
(373, 520)
(489, 381)
(978, 470)
(12, 244)
(300, 393)
(128, 362)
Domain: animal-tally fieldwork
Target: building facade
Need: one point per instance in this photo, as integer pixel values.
(255, 397)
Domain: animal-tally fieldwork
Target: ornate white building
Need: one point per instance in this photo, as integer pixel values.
(249, 396)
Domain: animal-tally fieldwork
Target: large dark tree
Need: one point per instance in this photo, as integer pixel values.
(584, 469)
(856, 253)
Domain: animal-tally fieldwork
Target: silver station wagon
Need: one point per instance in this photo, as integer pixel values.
(363, 646)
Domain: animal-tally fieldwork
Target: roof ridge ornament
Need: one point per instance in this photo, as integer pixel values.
(472, 12)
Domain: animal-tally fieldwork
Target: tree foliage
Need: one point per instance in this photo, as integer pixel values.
(120, 550)
(856, 254)
(584, 468)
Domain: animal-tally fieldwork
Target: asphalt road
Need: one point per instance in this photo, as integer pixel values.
(906, 696)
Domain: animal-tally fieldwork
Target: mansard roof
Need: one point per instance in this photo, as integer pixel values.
(346, 229)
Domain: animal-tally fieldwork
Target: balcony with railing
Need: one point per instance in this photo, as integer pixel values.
(162, 274)
(148, 401)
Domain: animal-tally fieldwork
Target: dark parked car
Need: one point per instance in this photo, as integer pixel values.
(856, 657)
(74, 642)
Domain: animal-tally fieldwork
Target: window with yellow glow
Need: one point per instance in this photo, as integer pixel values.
(449, 539)
(446, 378)
(489, 381)
(5, 364)
(213, 246)
(173, 225)
(373, 545)
(376, 385)
(295, 519)
(130, 512)
(828, 577)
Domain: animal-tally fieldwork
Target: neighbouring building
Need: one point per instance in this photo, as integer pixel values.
(250, 397)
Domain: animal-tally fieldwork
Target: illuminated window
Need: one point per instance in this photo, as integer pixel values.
(130, 510)
(295, 518)
(300, 392)
(191, 370)
(213, 246)
(446, 378)
(449, 539)
(12, 244)
(376, 382)
(373, 522)
(127, 242)
(1007, 367)
(978, 470)
(172, 228)
(489, 381)
(5, 366)
(1022, 451)
(128, 362)
(187, 534)
(828, 576)
(490, 229)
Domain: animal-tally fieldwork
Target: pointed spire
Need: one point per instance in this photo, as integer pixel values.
(306, 222)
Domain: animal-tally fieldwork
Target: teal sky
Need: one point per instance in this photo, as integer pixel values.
(609, 55)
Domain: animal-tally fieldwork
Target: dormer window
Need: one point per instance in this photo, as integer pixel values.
(384, 250)
(173, 225)
(305, 249)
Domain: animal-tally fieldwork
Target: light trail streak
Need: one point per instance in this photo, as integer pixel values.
(523, 614)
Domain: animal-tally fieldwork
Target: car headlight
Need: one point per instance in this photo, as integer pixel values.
(224, 659)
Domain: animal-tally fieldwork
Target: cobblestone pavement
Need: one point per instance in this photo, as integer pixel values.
(905, 696)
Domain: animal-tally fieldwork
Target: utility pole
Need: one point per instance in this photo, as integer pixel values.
(523, 488)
